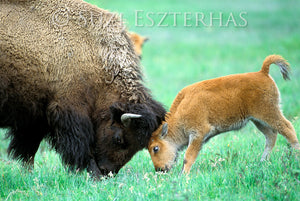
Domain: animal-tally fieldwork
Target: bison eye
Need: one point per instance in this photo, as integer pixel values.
(155, 149)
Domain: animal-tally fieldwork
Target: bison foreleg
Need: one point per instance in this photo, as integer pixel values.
(72, 134)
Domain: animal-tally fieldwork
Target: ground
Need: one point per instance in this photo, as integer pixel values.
(182, 51)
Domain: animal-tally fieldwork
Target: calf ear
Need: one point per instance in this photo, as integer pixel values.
(145, 39)
(164, 130)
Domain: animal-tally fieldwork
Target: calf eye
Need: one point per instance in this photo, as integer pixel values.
(155, 149)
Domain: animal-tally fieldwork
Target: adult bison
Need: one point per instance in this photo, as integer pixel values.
(69, 74)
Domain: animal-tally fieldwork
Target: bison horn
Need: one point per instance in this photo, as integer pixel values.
(126, 118)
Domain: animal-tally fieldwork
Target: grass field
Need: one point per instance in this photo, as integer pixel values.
(228, 167)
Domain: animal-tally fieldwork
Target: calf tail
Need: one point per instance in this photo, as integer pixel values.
(279, 61)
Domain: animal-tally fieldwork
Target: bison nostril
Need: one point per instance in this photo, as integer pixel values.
(118, 140)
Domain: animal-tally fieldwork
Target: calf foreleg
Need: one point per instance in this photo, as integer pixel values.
(194, 147)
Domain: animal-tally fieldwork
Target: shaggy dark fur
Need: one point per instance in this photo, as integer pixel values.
(151, 115)
(129, 139)
(67, 79)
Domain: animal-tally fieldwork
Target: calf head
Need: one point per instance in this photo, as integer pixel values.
(138, 42)
(163, 153)
(127, 131)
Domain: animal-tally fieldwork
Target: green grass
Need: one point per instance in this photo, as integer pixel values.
(228, 167)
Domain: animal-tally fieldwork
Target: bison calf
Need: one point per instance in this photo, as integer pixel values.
(208, 108)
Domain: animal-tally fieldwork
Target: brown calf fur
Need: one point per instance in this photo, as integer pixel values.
(205, 109)
(138, 42)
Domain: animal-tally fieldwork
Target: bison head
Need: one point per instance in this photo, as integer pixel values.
(126, 130)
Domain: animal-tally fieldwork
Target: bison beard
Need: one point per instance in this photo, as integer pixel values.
(78, 87)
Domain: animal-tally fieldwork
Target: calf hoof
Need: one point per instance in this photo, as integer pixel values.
(185, 169)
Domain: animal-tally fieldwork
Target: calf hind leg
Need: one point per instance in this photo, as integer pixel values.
(270, 135)
(280, 124)
(286, 129)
